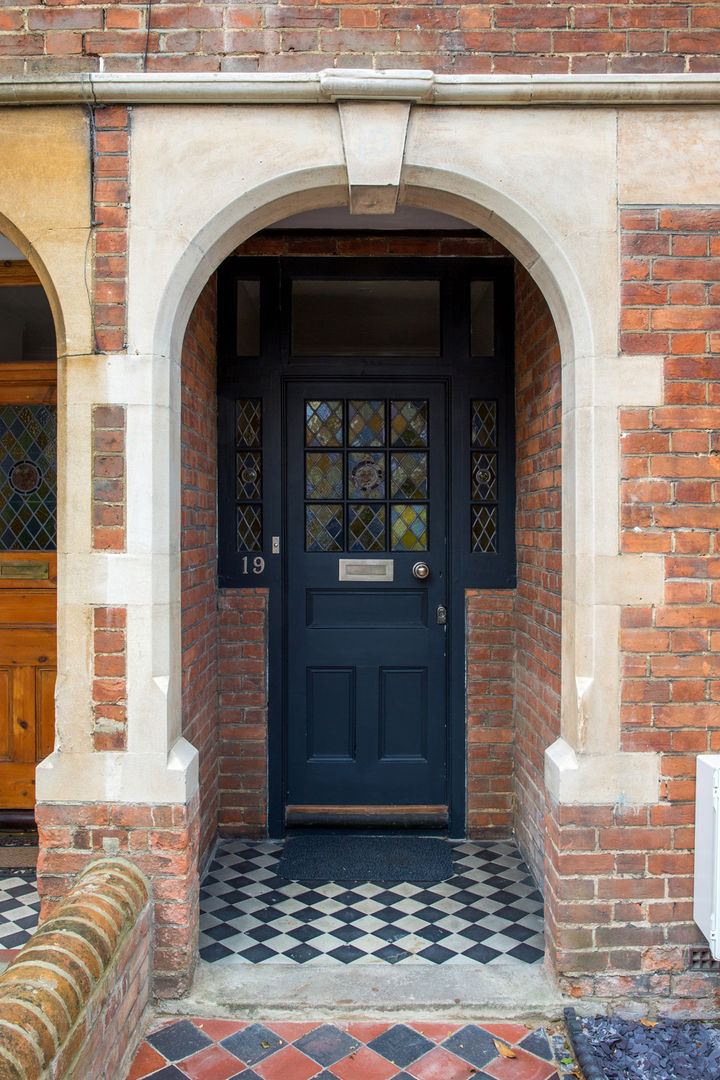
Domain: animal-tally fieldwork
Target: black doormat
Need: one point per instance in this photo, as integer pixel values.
(365, 858)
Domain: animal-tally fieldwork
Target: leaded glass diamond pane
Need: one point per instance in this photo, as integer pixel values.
(366, 476)
(408, 527)
(408, 475)
(366, 527)
(323, 476)
(249, 476)
(323, 423)
(28, 477)
(484, 529)
(484, 477)
(366, 423)
(248, 413)
(324, 527)
(484, 423)
(249, 527)
(408, 423)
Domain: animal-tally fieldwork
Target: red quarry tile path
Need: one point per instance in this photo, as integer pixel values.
(200, 1049)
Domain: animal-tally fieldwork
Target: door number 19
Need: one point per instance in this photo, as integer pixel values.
(257, 566)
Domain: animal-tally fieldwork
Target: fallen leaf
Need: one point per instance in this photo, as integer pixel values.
(648, 1023)
(265, 1045)
(503, 1050)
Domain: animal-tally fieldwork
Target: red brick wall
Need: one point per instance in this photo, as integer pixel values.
(199, 551)
(622, 879)
(539, 546)
(74, 1001)
(448, 37)
(108, 503)
(109, 678)
(162, 841)
(490, 666)
(242, 685)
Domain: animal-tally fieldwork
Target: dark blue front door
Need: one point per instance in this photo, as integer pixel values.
(366, 514)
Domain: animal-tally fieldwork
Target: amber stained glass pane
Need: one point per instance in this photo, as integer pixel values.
(408, 475)
(484, 423)
(249, 527)
(248, 413)
(366, 527)
(408, 423)
(28, 477)
(323, 476)
(483, 477)
(408, 527)
(323, 423)
(366, 423)
(324, 527)
(366, 476)
(484, 529)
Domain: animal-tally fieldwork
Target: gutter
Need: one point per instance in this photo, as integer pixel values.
(356, 84)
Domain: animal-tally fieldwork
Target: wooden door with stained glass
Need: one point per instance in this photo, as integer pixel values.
(367, 589)
(28, 576)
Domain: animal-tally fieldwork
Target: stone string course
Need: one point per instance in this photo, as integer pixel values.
(73, 1002)
(503, 37)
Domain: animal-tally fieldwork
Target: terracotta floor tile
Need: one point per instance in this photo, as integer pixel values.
(290, 1030)
(365, 1030)
(212, 1063)
(435, 1029)
(511, 1033)
(522, 1067)
(145, 1061)
(287, 1064)
(218, 1029)
(364, 1064)
(440, 1064)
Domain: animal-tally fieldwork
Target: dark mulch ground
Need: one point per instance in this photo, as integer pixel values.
(631, 1050)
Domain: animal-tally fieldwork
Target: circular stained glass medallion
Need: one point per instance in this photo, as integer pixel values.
(25, 477)
(367, 475)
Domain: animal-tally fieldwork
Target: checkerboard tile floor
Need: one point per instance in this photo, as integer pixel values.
(488, 911)
(195, 1049)
(19, 908)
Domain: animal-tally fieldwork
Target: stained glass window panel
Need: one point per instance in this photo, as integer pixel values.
(484, 477)
(366, 527)
(249, 475)
(324, 527)
(323, 423)
(366, 423)
(484, 529)
(249, 527)
(28, 477)
(248, 412)
(409, 423)
(366, 476)
(409, 475)
(323, 476)
(484, 423)
(408, 527)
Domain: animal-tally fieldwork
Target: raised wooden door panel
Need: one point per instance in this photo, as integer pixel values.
(28, 577)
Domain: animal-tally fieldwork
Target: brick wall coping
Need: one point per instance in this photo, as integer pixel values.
(421, 87)
(46, 990)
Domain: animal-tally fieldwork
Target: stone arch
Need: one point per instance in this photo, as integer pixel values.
(10, 230)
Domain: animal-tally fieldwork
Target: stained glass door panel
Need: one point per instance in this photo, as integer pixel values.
(28, 510)
(366, 484)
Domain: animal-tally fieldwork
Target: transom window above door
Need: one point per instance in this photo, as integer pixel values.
(366, 475)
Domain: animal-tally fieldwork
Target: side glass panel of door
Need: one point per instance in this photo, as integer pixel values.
(28, 512)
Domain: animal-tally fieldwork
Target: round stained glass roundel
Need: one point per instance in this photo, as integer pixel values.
(367, 476)
(25, 477)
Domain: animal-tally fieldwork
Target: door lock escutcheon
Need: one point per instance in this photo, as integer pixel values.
(441, 615)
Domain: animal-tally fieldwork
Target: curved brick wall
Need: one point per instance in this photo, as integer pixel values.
(72, 999)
